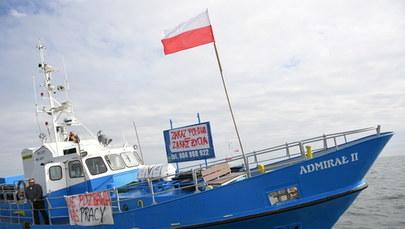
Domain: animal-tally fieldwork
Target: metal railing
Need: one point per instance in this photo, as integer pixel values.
(295, 151)
(273, 158)
(15, 212)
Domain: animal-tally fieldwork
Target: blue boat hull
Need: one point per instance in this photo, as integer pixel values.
(250, 197)
(318, 214)
(327, 185)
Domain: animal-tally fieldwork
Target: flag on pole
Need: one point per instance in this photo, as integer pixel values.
(189, 34)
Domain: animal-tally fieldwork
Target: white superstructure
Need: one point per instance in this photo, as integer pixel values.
(84, 164)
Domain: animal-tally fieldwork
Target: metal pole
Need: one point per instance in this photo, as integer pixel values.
(49, 210)
(82, 164)
(139, 143)
(230, 109)
(151, 191)
(195, 180)
(198, 118)
(118, 199)
(177, 163)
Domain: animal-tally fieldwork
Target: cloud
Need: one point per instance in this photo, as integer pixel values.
(17, 14)
(293, 70)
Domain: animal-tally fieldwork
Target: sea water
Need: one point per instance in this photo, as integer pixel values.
(382, 204)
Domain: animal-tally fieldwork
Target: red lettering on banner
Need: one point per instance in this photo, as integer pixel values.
(94, 199)
(72, 209)
(190, 142)
(199, 141)
(178, 134)
(197, 130)
(71, 201)
(73, 215)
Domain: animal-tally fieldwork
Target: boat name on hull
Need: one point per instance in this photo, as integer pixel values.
(326, 164)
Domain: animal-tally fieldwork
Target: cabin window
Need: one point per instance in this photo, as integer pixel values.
(75, 169)
(69, 151)
(283, 195)
(129, 159)
(114, 161)
(96, 165)
(55, 173)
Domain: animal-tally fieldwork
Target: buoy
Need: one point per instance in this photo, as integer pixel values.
(261, 169)
(309, 152)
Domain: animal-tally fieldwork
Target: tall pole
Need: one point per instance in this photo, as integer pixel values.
(47, 70)
(230, 109)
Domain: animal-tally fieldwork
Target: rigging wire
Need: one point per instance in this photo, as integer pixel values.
(36, 104)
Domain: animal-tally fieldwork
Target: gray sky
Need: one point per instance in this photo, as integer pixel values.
(294, 70)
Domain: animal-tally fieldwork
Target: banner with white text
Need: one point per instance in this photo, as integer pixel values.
(189, 143)
(90, 209)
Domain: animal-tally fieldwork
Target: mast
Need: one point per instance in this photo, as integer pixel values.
(47, 70)
(61, 113)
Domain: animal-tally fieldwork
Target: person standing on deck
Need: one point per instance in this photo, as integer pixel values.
(34, 194)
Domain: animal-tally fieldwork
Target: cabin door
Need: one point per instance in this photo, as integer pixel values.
(56, 176)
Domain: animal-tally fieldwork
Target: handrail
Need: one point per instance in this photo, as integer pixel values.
(289, 145)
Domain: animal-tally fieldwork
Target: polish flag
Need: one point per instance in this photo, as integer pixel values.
(194, 32)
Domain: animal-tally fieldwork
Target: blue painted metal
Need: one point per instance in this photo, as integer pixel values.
(327, 184)
(11, 179)
(248, 197)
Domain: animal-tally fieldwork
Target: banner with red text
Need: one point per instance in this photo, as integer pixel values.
(90, 209)
(189, 143)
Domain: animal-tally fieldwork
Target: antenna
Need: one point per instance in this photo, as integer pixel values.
(60, 113)
(139, 143)
(47, 70)
(66, 79)
(36, 104)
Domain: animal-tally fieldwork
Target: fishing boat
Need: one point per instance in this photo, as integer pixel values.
(89, 183)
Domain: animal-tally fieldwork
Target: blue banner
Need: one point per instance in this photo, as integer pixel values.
(189, 143)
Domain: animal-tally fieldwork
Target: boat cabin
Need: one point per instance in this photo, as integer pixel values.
(87, 166)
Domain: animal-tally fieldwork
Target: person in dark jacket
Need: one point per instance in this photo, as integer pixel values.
(34, 194)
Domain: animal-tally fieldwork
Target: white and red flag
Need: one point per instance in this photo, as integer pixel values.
(189, 34)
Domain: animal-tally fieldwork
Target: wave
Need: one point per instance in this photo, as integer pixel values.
(382, 204)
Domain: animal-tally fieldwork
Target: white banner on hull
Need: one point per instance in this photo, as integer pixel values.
(90, 209)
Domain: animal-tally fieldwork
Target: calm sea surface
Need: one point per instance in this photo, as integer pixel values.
(382, 204)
